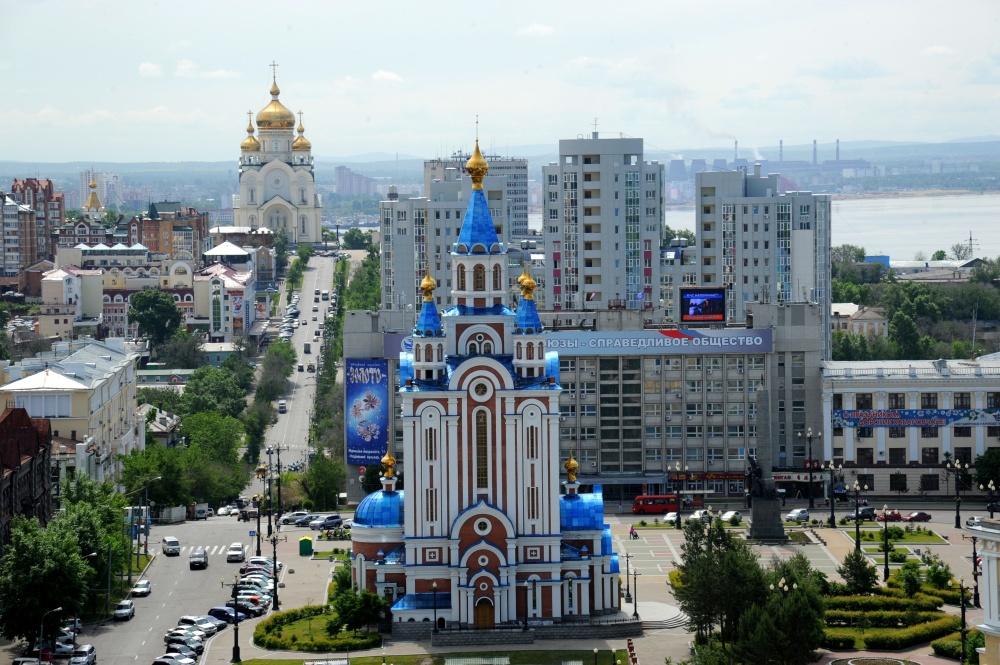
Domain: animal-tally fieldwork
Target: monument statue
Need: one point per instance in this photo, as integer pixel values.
(765, 506)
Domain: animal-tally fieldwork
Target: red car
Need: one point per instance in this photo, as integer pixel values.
(890, 516)
(918, 516)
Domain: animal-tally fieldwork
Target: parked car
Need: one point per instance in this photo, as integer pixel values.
(142, 588)
(918, 516)
(670, 518)
(235, 553)
(974, 521)
(191, 643)
(797, 515)
(889, 516)
(310, 367)
(218, 623)
(84, 654)
(171, 546)
(305, 520)
(317, 522)
(728, 516)
(187, 631)
(289, 518)
(864, 513)
(264, 561)
(179, 658)
(227, 614)
(703, 515)
(246, 607)
(124, 610)
(198, 623)
(222, 511)
(331, 522)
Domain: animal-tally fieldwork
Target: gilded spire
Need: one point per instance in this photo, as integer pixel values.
(571, 466)
(477, 167)
(93, 202)
(389, 463)
(427, 286)
(527, 284)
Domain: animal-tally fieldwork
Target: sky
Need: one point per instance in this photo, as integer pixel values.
(173, 80)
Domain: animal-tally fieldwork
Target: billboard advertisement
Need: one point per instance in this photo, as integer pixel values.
(915, 417)
(659, 342)
(703, 305)
(366, 410)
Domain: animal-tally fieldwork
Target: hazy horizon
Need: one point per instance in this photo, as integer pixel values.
(126, 82)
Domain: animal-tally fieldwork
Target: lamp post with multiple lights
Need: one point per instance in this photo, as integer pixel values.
(832, 469)
(810, 462)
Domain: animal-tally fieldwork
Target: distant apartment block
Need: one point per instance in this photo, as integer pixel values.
(19, 237)
(602, 222)
(513, 170)
(350, 183)
(49, 206)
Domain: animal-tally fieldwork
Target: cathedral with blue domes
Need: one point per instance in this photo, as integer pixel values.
(486, 532)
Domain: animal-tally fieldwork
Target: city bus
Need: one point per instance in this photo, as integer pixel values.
(659, 504)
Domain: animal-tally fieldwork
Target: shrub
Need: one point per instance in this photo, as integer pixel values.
(938, 573)
(734, 520)
(950, 646)
(896, 533)
(919, 602)
(642, 523)
(836, 639)
(904, 637)
(909, 577)
(878, 618)
(674, 576)
(897, 557)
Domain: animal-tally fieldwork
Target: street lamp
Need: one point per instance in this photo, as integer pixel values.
(961, 601)
(833, 469)
(274, 566)
(957, 469)
(236, 618)
(809, 461)
(434, 592)
(628, 590)
(680, 498)
(975, 570)
(595, 655)
(857, 511)
(635, 601)
(885, 540)
(270, 499)
(41, 627)
(257, 500)
(992, 488)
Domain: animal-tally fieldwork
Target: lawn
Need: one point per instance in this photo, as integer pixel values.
(909, 537)
(524, 657)
(326, 554)
(799, 537)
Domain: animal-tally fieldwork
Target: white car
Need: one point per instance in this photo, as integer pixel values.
(264, 561)
(224, 510)
(729, 515)
(288, 518)
(670, 518)
(235, 553)
(703, 515)
(197, 623)
(124, 610)
(974, 521)
(797, 515)
(84, 654)
(178, 658)
(142, 588)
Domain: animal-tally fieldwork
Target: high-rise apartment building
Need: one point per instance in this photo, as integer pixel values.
(350, 183)
(18, 238)
(513, 169)
(417, 234)
(49, 206)
(760, 244)
(602, 225)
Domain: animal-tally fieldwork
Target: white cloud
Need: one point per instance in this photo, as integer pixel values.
(849, 70)
(150, 70)
(938, 49)
(386, 75)
(189, 69)
(535, 30)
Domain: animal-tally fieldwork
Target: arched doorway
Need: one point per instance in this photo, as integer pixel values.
(484, 613)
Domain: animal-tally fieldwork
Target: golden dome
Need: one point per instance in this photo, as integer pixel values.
(389, 462)
(571, 466)
(477, 167)
(528, 285)
(275, 115)
(250, 143)
(93, 202)
(427, 286)
(301, 142)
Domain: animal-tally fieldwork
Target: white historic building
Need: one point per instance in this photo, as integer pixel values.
(277, 183)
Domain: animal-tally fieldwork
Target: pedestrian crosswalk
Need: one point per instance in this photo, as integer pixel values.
(210, 550)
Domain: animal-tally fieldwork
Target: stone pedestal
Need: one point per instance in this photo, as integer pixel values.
(765, 520)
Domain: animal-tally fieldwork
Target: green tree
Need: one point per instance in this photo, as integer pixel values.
(182, 351)
(40, 569)
(905, 334)
(218, 435)
(156, 313)
(909, 576)
(939, 255)
(859, 575)
(164, 399)
(348, 609)
(213, 389)
(241, 369)
(987, 467)
(304, 253)
(169, 464)
(322, 481)
(356, 239)
(280, 250)
(961, 251)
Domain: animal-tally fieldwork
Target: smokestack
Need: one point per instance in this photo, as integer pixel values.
(781, 150)
(736, 150)
(815, 161)
(838, 150)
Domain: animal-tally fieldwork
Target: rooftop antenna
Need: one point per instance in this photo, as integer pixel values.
(595, 134)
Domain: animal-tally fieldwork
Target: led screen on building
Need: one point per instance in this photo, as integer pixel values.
(366, 410)
(703, 305)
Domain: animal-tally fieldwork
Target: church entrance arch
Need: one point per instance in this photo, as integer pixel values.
(484, 613)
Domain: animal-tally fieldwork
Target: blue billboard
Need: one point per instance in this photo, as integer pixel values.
(915, 417)
(366, 410)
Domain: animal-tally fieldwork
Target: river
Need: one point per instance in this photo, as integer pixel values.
(901, 227)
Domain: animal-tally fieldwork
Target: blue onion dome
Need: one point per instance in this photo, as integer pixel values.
(380, 509)
(581, 512)
(429, 320)
(527, 321)
(478, 235)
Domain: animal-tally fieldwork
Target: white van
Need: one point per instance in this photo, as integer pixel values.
(282, 406)
(171, 546)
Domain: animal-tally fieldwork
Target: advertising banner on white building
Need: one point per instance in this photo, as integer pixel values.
(658, 342)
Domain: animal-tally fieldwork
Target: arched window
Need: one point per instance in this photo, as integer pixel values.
(417, 353)
(496, 278)
(479, 278)
(488, 348)
(440, 356)
(473, 348)
(531, 437)
(531, 351)
(482, 454)
(518, 350)
(541, 349)
(430, 444)
(461, 278)
(429, 353)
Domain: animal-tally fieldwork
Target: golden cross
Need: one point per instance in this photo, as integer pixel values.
(274, 70)
(477, 128)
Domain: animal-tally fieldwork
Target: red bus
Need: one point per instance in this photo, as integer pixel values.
(658, 504)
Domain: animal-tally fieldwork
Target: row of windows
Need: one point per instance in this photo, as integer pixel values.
(960, 400)
(957, 431)
(898, 456)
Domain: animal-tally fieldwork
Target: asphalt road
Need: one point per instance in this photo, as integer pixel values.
(177, 591)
